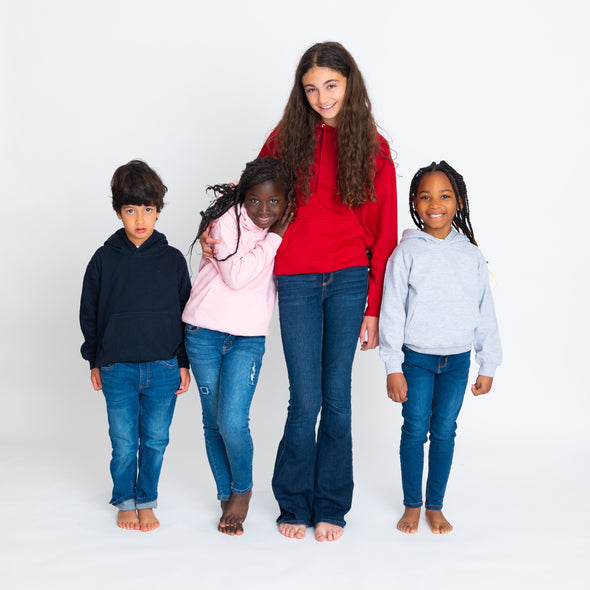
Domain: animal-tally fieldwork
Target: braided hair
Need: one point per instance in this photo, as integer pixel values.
(256, 172)
(461, 221)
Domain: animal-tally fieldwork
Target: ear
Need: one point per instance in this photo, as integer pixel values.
(119, 214)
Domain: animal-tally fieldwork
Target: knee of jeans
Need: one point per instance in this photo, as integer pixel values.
(414, 433)
(124, 446)
(229, 424)
(443, 433)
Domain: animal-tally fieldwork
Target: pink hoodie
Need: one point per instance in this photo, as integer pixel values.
(236, 296)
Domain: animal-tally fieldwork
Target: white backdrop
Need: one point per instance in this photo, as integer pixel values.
(499, 89)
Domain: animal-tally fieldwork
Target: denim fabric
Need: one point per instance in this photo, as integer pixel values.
(436, 387)
(140, 404)
(320, 316)
(226, 369)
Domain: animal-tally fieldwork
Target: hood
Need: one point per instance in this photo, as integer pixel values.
(453, 238)
(119, 241)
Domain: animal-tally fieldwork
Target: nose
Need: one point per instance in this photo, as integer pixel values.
(265, 208)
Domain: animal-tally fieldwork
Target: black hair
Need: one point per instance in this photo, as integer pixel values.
(227, 196)
(135, 183)
(461, 221)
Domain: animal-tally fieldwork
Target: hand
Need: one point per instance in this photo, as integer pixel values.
(206, 242)
(96, 379)
(369, 335)
(482, 385)
(185, 379)
(280, 226)
(397, 388)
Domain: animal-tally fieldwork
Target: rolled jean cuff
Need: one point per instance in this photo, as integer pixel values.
(126, 504)
(146, 505)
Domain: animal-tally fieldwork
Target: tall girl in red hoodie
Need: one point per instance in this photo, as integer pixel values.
(330, 268)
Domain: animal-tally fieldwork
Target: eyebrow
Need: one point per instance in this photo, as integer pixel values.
(324, 83)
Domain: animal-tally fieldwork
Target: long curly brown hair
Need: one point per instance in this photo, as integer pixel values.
(357, 133)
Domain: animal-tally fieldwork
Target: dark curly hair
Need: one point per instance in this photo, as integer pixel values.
(227, 196)
(461, 221)
(135, 183)
(357, 133)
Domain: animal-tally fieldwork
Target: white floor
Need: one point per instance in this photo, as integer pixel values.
(519, 510)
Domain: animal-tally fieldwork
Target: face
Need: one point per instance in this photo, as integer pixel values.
(138, 221)
(325, 90)
(436, 204)
(265, 203)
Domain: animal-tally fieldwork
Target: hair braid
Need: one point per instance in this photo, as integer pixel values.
(461, 221)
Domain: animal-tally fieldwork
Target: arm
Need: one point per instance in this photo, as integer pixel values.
(89, 310)
(486, 341)
(379, 219)
(184, 291)
(392, 319)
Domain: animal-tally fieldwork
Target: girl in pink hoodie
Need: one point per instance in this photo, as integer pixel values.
(227, 318)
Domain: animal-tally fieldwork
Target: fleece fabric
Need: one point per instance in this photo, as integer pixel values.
(437, 300)
(237, 295)
(132, 302)
(327, 235)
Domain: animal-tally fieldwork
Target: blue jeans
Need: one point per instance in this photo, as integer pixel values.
(140, 404)
(436, 387)
(226, 369)
(320, 316)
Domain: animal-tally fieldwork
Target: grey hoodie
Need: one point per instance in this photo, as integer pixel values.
(437, 300)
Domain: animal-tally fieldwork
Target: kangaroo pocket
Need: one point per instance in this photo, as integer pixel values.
(141, 336)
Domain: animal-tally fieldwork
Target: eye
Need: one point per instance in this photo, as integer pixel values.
(129, 211)
(310, 90)
(254, 201)
(149, 209)
(274, 201)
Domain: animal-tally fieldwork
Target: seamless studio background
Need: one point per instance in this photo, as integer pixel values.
(500, 90)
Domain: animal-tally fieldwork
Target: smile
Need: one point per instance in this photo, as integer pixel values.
(328, 107)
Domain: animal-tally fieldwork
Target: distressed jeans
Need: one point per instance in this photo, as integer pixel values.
(226, 369)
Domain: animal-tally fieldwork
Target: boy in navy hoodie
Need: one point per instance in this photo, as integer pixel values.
(134, 291)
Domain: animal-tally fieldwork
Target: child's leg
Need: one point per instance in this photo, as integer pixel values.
(449, 391)
(120, 389)
(239, 376)
(158, 382)
(205, 351)
(419, 374)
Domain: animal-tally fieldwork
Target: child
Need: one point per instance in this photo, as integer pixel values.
(436, 304)
(134, 290)
(227, 317)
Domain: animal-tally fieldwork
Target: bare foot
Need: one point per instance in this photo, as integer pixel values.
(234, 512)
(438, 523)
(127, 519)
(324, 531)
(292, 531)
(147, 520)
(408, 523)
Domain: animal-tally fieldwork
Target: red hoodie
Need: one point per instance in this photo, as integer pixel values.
(327, 235)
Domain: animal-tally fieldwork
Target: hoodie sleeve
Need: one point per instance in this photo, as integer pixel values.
(184, 291)
(392, 319)
(246, 264)
(89, 310)
(486, 342)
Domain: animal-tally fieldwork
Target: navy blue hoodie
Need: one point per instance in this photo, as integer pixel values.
(132, 302)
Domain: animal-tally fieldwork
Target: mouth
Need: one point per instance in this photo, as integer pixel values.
(327, 108)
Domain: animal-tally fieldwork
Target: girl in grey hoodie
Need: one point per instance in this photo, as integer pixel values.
(436, 306)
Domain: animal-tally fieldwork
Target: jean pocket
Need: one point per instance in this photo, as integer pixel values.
(169, 364)
(190, 329)
(108, 367)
